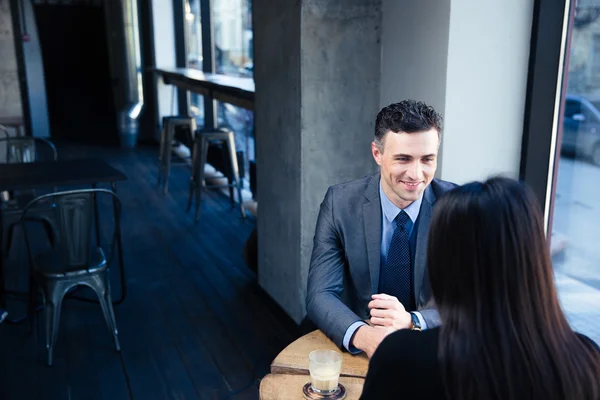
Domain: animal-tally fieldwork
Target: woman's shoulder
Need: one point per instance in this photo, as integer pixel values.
(416, 347)
(405, 366)
(407, 338)
(588, 341)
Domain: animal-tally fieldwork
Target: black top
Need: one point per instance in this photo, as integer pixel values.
(57, 173)
(405, 366)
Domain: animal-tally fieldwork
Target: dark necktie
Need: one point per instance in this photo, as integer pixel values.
(396, 276)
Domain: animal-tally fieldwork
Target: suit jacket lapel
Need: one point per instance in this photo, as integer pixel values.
(372, 224)
(421, 247)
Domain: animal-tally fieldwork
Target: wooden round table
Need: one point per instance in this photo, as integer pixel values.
(289, 370)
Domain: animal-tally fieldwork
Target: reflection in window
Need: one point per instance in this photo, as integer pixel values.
(233, 37)
(193, 41)
(576, 220)
(232, 21)
(234, 57)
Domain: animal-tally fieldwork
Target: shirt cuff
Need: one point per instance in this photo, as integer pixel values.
(421, 320)
(348, 336)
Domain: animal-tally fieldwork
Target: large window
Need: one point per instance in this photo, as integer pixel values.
(193, 41)
(233, 37)
(234, 57)
(576, 192)
(233, 44)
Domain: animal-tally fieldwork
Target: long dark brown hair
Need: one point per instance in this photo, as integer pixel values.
(504, 334)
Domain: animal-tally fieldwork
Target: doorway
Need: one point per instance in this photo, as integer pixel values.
(74, 48)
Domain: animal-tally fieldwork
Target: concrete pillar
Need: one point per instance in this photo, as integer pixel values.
(10, 92)
(317, 73)
(415, 53)
(34, 70)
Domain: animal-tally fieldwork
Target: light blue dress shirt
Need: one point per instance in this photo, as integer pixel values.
(389, 213)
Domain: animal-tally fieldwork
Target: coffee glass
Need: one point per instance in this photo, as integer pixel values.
(324, 367)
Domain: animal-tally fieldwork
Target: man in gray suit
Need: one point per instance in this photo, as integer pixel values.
(367, 274)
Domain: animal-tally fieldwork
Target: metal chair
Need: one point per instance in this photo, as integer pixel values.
(201, 143)
(73, 261)
(27, 149)
(21, 150)
(167, 137)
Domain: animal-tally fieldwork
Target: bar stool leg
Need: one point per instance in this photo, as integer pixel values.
(195, 172)
(230, 178)
(235, 171)
(167, 155)
(203, 155)
(161, 153)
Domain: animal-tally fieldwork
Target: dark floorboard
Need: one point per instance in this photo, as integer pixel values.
(195, 324)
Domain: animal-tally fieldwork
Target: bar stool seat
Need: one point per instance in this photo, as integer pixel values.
(203, 139)
(167, 137)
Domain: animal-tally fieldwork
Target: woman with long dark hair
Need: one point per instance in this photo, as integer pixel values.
(503, 334)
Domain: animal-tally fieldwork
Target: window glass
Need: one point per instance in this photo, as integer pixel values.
(193, 40)
(234, 57)
(576, 219)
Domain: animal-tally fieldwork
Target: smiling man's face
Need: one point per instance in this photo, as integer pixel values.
(408, 162)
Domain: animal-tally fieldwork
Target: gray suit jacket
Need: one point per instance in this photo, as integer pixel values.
(346, 258)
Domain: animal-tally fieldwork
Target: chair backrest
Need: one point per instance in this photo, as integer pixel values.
(27, 150)
(72, 218)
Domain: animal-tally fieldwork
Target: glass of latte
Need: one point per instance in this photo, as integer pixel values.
(324, 367)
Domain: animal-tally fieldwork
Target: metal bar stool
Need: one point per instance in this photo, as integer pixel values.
(201, 143)
(165, 154)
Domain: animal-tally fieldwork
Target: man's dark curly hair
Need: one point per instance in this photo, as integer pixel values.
(407, 116)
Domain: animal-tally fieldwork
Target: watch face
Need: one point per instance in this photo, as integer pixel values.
(416, 323)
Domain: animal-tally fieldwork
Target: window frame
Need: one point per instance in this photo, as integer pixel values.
(543, 117)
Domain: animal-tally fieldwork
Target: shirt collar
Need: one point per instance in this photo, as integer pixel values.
(391, 211)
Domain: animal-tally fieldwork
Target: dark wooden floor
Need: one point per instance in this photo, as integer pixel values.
(195, 324)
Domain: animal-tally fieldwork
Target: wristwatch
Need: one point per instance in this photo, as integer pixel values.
(416, 324)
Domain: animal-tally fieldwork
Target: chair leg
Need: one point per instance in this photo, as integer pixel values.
(54, 297)
(9, 236)
(31, 303)
(103, 291)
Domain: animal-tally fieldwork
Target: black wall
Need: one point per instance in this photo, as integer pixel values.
(76, 67)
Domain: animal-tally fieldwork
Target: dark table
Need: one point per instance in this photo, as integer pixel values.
(64, 173)
(57, 173)
(228, 89)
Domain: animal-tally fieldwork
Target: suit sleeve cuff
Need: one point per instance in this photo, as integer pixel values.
(421, 320)
(348, 337)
